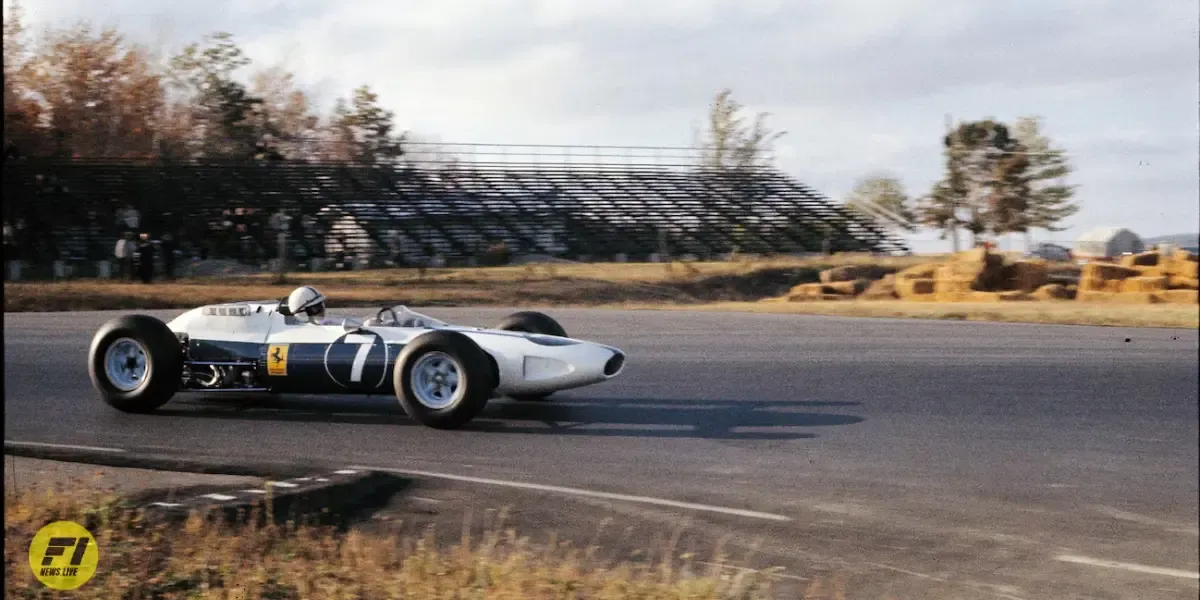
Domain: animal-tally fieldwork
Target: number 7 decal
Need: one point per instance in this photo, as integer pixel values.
(360, 358)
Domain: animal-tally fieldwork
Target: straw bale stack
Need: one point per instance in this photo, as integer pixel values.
(853, 273)
(1119, 297)
(882, 289)
(1026, 275)
(1179, 296)
(923, 271)
(1052, 291)
(1103, 277)
(915, 289)
(1143, 284)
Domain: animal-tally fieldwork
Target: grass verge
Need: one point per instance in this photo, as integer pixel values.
(1047, 312)
(715, 286)
(205, 559)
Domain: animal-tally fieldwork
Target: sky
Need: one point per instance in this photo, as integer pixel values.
(860, 87)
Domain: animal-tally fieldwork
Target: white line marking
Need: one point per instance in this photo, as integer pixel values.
(64, 446)
(749, 570)
(588, 493)
(221, 497)
(345, 472)
(1097, 562)
(322, 480)
(283, 484)
(166, 504)
(254, 491)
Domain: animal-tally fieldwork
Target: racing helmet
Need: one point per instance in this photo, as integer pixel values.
(307, 301)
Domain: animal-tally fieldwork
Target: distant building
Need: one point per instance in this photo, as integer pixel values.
(1107, 243)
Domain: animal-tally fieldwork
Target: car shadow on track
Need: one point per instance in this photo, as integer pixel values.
(566, 415)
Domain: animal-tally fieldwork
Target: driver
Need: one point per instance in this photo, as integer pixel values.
(306, 301)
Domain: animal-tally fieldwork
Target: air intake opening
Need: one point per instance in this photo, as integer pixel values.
(614, 364)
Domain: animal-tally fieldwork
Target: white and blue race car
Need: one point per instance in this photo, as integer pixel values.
(442, 375)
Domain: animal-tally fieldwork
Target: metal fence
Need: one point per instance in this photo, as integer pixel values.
(430, 210)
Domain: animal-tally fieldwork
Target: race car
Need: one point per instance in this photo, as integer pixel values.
(442, 375)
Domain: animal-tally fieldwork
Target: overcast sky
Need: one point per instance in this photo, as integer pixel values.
(860, 86)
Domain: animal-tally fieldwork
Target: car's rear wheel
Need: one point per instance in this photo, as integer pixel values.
(135, 362)
(443, 379)
(530, 321)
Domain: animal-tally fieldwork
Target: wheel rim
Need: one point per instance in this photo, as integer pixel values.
(126, 364)
(436, 380)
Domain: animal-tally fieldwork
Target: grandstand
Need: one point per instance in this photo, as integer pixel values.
(412, 213)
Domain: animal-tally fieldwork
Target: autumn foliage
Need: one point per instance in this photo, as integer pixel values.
(87, 92)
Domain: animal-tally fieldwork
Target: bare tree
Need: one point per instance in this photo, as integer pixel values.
(731, 143)
(881, 198)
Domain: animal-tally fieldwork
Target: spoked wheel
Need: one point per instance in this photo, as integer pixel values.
(443, 379)
(135, 362)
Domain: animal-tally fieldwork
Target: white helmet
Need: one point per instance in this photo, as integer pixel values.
(307, 301)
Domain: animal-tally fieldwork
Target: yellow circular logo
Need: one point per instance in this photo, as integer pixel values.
(63, 555)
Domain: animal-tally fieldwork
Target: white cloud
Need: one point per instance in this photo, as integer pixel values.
(860, 85)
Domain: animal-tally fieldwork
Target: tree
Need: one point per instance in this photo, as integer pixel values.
(1049, 194)
(983, 189)
(102, 96)
(22, 113)
(732, 144)
(882, 199)
(288, 120)
(222, 118)
(363, 131)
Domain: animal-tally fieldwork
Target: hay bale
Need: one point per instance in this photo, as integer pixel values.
(846, 288)
(805, 291)
(1144, 259)
(1176, 282)
(1004, 296)
(853, 272)
(1095, 276)
(922, 271)
(882, 289)
(1179, 296)
(1026, 275)
(1052, 291)
(1183, 264)
(951, 288)
(1095, 296)
(1119, 298)
(1143, 284)
(914, 288)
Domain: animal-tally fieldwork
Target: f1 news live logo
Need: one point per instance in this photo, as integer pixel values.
(63, 555)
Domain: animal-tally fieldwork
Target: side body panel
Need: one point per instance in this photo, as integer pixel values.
(296, 357)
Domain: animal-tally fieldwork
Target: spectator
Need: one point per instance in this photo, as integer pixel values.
(168, 250)
(124, 253)
(128, 218)
(145, 259)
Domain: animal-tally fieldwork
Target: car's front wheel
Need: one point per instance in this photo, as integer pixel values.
(443, 379)
(530, 321)
(135, 362)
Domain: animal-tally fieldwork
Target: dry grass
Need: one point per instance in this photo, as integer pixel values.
(1061, 312)
(547, 285)
(716, 286)
(205, 559)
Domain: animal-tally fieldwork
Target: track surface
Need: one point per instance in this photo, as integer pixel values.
(946, 459)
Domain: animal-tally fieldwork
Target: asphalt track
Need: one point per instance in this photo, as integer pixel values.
(983, 460)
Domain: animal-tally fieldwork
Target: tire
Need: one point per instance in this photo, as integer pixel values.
(139, 337)
(456, 351)
(532, 322)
